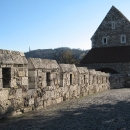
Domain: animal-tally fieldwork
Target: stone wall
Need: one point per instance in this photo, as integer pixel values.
(113, 35)
(117, 81)
(48, 84)
(121, 68)
(120, 79)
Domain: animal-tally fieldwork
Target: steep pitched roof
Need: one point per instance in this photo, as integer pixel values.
(114, 8)
(107, 55)
(111, 11)
(68, 67)
(82, 70)
(42, 63)
(12, 57)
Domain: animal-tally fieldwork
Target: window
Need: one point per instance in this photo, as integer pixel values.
(113, 25)
(84, 79)
(48, 78)
(104, 40)
(123, 38)
(6, 73)
(70, 79)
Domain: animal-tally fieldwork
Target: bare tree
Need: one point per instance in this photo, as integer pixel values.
(66, 57)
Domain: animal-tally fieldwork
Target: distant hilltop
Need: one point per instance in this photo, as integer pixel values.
(54, 53)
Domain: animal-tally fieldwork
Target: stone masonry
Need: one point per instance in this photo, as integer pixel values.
(110, 48)
(33, 84)
(108, 110)
(38, 83)
(113, 35)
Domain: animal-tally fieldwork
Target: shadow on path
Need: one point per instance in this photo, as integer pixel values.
(93, 117)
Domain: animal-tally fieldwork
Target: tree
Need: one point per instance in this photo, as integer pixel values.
(66, 57)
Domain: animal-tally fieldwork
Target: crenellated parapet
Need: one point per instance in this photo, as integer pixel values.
(37, 83)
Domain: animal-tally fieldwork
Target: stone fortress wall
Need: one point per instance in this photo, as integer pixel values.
(117, 80)
(38, 83)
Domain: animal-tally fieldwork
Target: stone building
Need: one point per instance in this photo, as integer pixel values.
(13, 70)
(83, 78)
(13, 80)
(110, 45)
(45, 79)
(69, 81)
(43, 72)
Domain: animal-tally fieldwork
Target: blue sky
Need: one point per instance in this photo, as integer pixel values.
(43, 24)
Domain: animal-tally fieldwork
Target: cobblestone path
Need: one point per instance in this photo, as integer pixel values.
(109, 110)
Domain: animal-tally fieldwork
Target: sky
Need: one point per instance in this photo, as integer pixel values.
(46, 24)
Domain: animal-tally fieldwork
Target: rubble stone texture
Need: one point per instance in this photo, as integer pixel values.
(122, 27)
(110, 43)
(107, 110)
(38, 83)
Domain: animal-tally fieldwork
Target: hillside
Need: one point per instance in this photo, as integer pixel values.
(55, 53)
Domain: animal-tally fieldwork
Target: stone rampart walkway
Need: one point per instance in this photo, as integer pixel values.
(109, 110)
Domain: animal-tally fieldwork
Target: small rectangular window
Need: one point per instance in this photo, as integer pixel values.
(104, 40)
(123, 38)
(113, 25)
(6, 74)
(84, 79)
(48, 78)
(70, 79)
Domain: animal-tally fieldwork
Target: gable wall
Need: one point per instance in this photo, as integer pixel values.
(122, 27)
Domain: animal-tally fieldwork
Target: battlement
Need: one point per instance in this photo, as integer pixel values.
(26, 85)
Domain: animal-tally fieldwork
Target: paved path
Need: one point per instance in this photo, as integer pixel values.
(109, 110)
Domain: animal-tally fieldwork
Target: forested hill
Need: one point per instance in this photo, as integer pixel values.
(58, 54)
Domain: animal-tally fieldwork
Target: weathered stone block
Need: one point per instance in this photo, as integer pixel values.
(21, 73)
(59, 100)
(40, 103)
(39, 72)
(52, 93)
(0, 73)
(27, 109)
(21, 53)
(66, 96)
(47, 95)
(15, 113)
(39, 107)
(1, 84)
(47, 103)
(32, 92)
(54, 102)
(49, 88)
(4, 94)
(38, 99)
(17, 103)
(18, 93)
(31, 101)
(24, 80)
(5, 108)
(13, 83)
